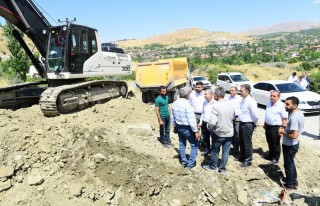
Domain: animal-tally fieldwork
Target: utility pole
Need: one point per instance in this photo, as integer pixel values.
(272, 53)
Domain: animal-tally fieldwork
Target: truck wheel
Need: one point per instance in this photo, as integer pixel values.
(149, 97)
(144, 97)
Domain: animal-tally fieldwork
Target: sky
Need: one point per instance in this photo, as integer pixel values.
(134, 19)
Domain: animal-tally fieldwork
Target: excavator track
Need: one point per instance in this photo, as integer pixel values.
(21, 95)
(68, 98)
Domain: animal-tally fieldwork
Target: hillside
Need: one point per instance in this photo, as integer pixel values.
(197, 37)
(193, 37)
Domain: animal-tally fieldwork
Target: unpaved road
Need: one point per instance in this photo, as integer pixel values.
(88, 158)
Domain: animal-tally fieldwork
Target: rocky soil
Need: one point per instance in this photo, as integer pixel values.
(109, 154)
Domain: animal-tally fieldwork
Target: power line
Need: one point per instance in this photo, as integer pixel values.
(44, 11)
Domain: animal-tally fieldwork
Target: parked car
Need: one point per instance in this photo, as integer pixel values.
(229, 79)
(195, 79)
(309, 101)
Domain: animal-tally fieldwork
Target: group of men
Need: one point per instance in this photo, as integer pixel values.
(225, 121)
(303, 80)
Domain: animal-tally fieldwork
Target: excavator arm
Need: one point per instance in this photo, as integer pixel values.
(28, 19)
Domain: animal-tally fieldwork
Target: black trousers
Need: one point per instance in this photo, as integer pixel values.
(245, 138)
(273, 140)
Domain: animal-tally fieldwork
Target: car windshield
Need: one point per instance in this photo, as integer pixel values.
(289, 87)
(239, 78)
(198, 78)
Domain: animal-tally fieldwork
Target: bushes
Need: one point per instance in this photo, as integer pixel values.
(315, 82)
(306, 66)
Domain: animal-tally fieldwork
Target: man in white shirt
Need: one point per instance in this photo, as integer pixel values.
(248, 117)
(302, 82)
(196, 100)
(205, 117)
(236, 100)
(293, 77)
(275, 117)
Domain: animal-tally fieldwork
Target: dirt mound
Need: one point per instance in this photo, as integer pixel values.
(90, 158)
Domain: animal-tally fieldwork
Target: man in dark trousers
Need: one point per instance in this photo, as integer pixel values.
(291, 139)
(275, 117)
(163, 115)
(248, 117)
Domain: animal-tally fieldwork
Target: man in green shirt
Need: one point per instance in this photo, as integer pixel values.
(163, 115)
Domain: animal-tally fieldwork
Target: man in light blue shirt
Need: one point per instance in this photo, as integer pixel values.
(184, 123)
(290, 142)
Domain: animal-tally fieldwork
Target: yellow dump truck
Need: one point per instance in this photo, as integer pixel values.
(171, 73)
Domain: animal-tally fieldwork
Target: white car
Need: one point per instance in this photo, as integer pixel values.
(229, 79)
(308, 101)
(205, 82)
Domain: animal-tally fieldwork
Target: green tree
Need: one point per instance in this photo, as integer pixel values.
(17, 64)
(315, 81)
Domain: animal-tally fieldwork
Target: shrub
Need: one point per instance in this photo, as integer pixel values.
(307, 66)
(315, 81)
(292, 60)
(280, 65)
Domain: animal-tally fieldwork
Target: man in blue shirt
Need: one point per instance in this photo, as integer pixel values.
(184, 122)
(163, 115)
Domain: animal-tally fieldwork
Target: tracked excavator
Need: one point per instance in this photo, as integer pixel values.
(70, 54)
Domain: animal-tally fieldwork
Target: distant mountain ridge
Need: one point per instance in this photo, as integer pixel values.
(198, 37)
(283, 27)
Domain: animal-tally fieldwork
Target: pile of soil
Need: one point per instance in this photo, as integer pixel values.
(94, 157)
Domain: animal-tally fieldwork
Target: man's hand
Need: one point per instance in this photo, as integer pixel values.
(175, 130)
(281, 131)
(197, 135)
(160, 122)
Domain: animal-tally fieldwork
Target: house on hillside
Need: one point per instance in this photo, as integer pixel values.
(315, 48)
(293, 54)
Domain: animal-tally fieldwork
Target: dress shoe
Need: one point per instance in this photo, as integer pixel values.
(289, 187)
(245, 164)
(205, 153)
(166, 146)
(240, 159)
(273, 162)
(209, 168)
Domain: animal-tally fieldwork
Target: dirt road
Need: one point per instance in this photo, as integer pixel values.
(88, 158)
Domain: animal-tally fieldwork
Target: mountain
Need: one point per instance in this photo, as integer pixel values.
(185, 37)
(198, 37)
(283, 27)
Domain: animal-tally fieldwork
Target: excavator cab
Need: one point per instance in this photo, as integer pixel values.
(69, 47)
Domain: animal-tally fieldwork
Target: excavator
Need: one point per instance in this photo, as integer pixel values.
(70, 55)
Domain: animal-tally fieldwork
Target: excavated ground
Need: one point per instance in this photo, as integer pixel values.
(88, 158)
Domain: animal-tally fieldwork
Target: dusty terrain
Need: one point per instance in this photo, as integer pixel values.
(109, 155)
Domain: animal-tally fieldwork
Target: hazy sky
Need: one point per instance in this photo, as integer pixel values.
(120, 19)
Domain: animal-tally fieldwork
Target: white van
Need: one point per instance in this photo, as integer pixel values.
(229, 79)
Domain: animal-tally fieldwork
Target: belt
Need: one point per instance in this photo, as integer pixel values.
(197, 113)
(246, 122)
(268, 125)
